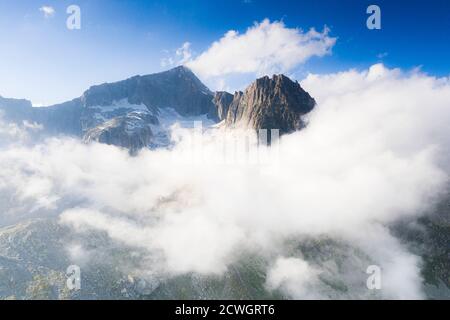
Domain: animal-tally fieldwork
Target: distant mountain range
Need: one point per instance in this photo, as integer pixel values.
(129, 113)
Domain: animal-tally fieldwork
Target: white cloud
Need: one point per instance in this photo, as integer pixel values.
(48, 11)
(167, 62)
(376, 150)
(14, 133)
(33, 126)
(184, 52)
(9, 131)
(293, 276)
(182, 55)
(266, 47)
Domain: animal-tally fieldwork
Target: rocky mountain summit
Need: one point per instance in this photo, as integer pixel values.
(125, 113)
(177, 88)
(270, 103)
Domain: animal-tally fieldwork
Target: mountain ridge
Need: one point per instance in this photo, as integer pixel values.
(130, 107)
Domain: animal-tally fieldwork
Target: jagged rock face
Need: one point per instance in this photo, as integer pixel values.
(177, 88)
(222, 101)
(235, 110)
(271, 103)
(103, 112)
(132, 131)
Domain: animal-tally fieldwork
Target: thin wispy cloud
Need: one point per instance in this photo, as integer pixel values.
(382, 55)
(48, 11)
(183, 55)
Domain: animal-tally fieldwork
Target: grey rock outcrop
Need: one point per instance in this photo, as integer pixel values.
(132, 131)
(270, 103)
(116, 113)
(222, 101)
(177, 88)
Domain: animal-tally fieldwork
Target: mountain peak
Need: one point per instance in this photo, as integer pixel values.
(276, 80)
(181, 68)
(177, 88)
(271, 103)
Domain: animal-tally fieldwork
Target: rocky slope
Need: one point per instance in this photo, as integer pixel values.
(177, 88)
(122, 113)
(270, 103)
(108, 105)
(35, 254)
(131, 131)
(222, 101)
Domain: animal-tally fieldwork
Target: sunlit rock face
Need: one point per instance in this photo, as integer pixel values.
(124, 113)
(271, 103)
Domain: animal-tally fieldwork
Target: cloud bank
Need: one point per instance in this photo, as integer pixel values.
(264, 48)
(375, 151)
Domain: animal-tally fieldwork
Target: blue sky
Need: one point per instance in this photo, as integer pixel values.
(41, 60)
